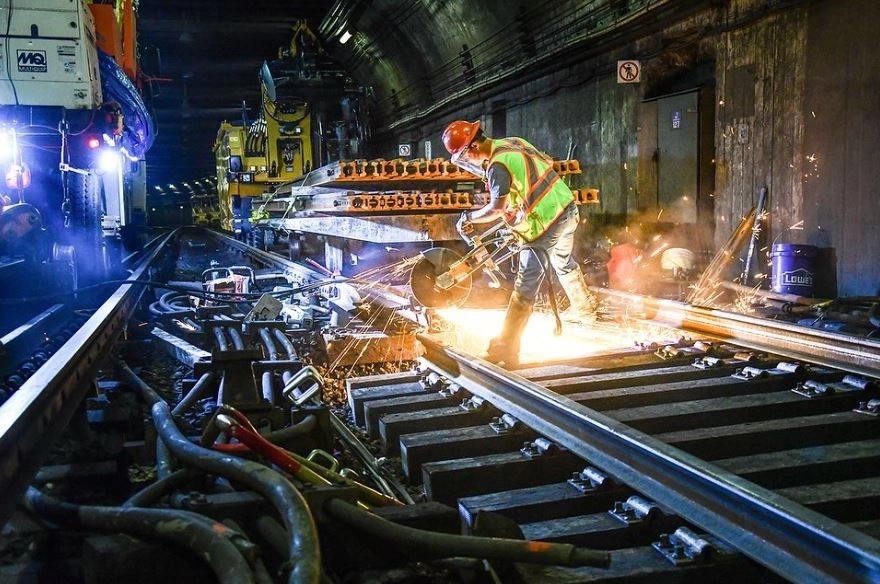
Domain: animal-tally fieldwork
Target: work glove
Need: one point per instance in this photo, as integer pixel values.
(464, 225)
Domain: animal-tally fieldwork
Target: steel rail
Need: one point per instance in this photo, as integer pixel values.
(787, 538)
(391, 298)
(265, 257)
(34, 416)
(821, 347)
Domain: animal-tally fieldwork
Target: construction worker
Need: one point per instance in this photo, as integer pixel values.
(540, 209)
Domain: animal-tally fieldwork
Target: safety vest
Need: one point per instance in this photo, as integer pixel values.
(537, 196)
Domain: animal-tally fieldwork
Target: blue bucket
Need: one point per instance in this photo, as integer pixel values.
(793, 269)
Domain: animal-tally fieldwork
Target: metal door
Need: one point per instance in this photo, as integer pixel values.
(678, 160)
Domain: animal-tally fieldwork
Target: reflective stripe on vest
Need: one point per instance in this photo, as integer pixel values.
(545, 197)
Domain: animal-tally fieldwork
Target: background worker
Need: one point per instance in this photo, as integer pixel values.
(540, 209)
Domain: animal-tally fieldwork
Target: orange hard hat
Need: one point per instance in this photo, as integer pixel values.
(459, 134)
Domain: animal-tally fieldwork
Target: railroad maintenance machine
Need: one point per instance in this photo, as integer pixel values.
(74, 130)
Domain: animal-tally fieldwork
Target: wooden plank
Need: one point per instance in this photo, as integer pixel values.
(601, 530)
(393, 426)
(731, 410)
(664, 393)
(448, 480)
(382, 379)
(759, 437)
(361, 348)
(654, 376)
(551, 502)
(643, 565)
(358, 396)
(853, 500)
(417, 449)
(375, 409)
(798, 466)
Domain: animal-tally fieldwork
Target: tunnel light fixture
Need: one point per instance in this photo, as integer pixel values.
(344, 38)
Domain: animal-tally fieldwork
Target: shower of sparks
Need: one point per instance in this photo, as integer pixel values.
(470, 329)
(744, 302)
(799, 226)
(374, 325)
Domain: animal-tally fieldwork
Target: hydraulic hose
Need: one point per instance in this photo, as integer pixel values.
(304, 555)
(266, 381)
(199, 389)
(429, 544)
(164, 462)
(286, 343)
(269, 342)
(207, 539)
(222, 343)
(155, 490)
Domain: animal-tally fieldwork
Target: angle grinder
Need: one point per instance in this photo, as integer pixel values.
(441, 278)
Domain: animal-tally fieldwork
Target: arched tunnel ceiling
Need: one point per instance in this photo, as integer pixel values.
(425, 58)
(420, 59)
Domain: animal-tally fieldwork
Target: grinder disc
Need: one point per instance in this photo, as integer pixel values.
(436, 261)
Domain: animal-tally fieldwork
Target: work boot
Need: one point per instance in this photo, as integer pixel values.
(504, 349)
(583, 304)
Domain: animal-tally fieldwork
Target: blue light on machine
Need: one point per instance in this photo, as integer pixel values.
(7, 144)
(109, 160)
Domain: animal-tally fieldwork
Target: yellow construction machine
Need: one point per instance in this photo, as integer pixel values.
(306, 118)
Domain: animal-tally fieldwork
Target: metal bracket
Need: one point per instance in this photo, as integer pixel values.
(671, 351)
(505, 424)
(870, 408)
(750, 373)
(746, 357)
(686, 547)
(708, 362)
(303, 386)
(432, 381)
(635, 510)
(788, 367)
(667, 352)
(473, 403)
(590, 479)
(540, 447)
(64, 167)
(451, 390)
(811, 389)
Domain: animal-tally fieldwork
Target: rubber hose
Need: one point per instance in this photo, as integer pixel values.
(181, 527)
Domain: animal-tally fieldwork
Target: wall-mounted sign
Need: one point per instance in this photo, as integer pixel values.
(404, 150)
(629, 71)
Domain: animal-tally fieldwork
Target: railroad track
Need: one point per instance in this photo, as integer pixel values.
(743, 451)
(702, 461)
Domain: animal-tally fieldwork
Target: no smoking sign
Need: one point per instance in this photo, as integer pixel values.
(629, 71)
